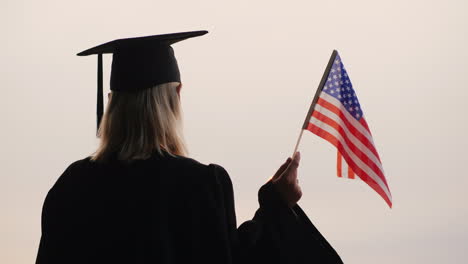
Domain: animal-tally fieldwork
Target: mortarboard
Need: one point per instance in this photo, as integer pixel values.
(139, 63)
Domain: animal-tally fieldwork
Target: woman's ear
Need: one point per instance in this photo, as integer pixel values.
(108, 96)
(179, 87)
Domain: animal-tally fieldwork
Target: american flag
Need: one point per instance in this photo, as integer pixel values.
(337, 117)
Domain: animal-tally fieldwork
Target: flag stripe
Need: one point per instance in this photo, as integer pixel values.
(338, 164)
(348, 154)
(364, 124)
(343, 170)
(355, 145)
(344, 166)
(379, 188)
(359, 131)
(350, 173)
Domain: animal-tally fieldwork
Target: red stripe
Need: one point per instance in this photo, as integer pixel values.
(350, 173)
(361, 155)
(338, 164)
(361, 173)
(364, 124)
(361, 137)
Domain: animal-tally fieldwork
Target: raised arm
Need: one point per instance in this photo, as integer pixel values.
(280, 232)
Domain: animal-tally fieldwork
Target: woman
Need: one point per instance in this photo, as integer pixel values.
(140, 199)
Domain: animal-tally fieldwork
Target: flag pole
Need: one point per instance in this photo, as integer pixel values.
(297, 143)
(317, 93)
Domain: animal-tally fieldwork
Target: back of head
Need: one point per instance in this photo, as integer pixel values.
(136, 124)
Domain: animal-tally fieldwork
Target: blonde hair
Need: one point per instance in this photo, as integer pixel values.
(136, 124)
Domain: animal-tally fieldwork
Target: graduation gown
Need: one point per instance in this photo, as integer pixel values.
(169, 210)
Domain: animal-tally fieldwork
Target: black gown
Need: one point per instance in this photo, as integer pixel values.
(169, 210)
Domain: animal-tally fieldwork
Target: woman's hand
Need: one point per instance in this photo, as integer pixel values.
(285, 180)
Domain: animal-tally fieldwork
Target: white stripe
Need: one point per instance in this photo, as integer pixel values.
(351, 154)
(348, 116)
(344, 168)
(351, 137)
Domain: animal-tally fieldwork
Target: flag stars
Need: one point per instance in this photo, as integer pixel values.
(339, 86)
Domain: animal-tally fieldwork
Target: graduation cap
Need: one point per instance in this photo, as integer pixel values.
(139, 63)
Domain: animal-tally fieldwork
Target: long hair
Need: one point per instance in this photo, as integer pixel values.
(136, 124)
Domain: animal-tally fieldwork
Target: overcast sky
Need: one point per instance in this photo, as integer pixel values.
(248, 84)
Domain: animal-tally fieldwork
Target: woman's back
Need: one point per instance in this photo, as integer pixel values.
(162, 210)
(169, 210)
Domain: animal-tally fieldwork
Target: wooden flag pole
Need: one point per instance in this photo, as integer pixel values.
(297, 143)
(314, 102)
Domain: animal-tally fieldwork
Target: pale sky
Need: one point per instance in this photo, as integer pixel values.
(248, 84)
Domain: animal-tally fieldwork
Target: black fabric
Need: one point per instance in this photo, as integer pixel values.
(142, 67)
(169, 210)
(142, 62)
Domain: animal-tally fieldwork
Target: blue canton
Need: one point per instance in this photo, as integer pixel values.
(339, 86)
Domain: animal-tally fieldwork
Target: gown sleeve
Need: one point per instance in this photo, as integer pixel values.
(277, 234)
(57, 227)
